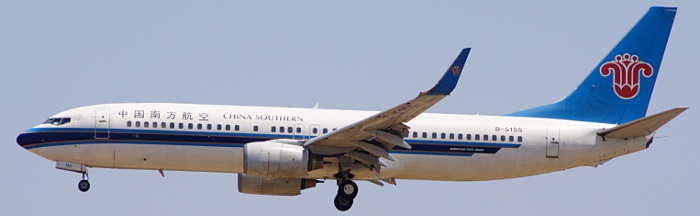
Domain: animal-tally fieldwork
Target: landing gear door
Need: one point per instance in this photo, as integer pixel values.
(102, 124)
(553, 142)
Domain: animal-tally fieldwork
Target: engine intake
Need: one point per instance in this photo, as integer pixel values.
(278, 159)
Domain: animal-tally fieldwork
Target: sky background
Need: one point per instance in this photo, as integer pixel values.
(57, 55)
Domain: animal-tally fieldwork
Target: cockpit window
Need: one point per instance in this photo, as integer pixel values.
(57, 121)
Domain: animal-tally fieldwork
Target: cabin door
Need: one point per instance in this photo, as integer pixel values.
(102, 124)
(553, 142)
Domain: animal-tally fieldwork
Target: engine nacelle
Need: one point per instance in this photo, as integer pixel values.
(277, 186)
(277, 159)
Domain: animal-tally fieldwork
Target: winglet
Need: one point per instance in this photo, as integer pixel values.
(449, 80)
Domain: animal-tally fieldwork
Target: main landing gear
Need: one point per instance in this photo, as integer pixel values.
(347, 191)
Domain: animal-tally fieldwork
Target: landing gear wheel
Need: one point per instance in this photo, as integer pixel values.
(342, 204)
(84, 185)
(347, 190)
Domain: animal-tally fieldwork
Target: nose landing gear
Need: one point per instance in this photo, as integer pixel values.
(84, 185)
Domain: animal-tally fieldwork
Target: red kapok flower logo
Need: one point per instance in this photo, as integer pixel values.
(626, 71)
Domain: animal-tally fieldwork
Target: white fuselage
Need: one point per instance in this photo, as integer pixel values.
(445, 146)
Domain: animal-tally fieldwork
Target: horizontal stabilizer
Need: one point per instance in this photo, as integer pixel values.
(644, 126)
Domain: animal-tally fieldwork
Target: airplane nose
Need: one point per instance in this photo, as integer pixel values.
(25, 139)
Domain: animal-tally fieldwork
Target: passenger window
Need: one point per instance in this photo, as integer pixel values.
(503, 138)
(281, 129)
(228, 127)
(476, 137)
(172, 125)
(199, 126)
(273, 129)
(190, 126)
(255, 128)
(155, 124)
(218, 126)
(520, 139)
(511, 138)
(163, 124)
(128, 123)
(415, 134)
(469, 136)
(145, 124)
(442, 136)
(315, 130)
(299, 130)
(452, 136)
(237, 127)
(459, 136)
(208, 126)
(434, 135)
(486, 137)
(494, 137)
(425, 134)
(137, 124)
(289, 130)
(181, 125)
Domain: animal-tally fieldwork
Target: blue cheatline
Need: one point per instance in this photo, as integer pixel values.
(49, 137)
(619, 88)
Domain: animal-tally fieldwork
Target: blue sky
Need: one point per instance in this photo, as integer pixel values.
(346, 55)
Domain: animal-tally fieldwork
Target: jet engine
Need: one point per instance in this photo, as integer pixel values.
(277, 186)
(278, 159)
(277, 167)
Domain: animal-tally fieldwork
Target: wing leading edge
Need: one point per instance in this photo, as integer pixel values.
(371, 138)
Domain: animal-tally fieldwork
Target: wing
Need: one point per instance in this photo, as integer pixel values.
(371, 138)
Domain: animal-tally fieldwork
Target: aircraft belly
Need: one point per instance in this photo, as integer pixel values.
(458, 168)
(145, 156)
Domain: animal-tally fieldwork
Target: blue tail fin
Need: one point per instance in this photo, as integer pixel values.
(618, 90)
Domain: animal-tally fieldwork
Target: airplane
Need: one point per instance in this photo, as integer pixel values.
(282, 151)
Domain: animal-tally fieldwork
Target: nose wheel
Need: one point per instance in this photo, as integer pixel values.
(84, 185)
(347, 191)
